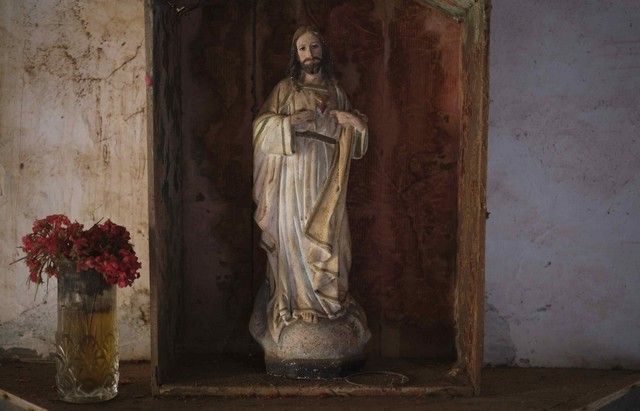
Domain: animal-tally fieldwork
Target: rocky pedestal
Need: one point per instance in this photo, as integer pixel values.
(328, 348)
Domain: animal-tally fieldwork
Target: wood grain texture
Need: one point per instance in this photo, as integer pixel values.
(469, 307)
(241, 376)
(503, 389)
(165, 220)
(216, 69)
(401, 64)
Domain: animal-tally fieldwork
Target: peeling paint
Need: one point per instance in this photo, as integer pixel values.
(72, 141)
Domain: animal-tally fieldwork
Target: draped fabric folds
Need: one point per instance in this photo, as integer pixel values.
(300, 187)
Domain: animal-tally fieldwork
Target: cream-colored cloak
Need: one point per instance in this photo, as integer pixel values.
(300, 187)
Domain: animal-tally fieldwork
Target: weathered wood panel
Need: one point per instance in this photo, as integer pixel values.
(239, 377)
(216, 68)
(472, 188)
(165, 218)
(401, 64)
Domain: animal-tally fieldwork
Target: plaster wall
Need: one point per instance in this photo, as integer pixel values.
(563, 236)
(72, 141)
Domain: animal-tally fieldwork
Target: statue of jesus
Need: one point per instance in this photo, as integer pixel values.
(304, 139)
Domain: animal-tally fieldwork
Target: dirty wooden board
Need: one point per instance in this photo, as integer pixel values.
(472, 177)
(164, 188)
(400, 65)
(216, 91)
(239, 376)
(503, 389)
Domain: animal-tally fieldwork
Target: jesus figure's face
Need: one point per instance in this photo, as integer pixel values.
(309, 52)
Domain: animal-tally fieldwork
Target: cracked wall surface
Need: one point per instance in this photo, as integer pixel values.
(562, 273)
(73, 141)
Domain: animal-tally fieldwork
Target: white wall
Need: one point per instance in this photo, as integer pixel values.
(563, 238)
(72, 141)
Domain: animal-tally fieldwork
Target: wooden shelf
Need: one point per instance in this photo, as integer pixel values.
(228, 376)
(520, 389)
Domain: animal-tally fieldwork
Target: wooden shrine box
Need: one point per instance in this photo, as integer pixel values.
(416, 201)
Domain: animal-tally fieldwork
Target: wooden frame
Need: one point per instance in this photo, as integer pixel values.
(165, 225)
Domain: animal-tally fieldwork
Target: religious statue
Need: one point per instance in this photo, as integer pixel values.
(304, 139)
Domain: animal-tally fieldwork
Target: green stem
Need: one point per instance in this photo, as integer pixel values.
(93, 305)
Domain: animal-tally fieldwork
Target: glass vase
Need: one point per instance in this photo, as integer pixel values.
(87, 336)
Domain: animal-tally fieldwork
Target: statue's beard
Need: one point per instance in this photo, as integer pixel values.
(312, 66)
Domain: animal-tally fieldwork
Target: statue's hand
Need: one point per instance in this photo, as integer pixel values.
(346, 119)
(302, 120)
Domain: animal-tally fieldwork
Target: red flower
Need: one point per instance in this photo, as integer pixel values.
(51, 270)
(104, 247)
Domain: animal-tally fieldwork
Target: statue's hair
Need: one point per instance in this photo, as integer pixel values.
(295, 67)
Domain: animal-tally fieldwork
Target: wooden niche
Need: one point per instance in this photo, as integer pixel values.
(416, 204)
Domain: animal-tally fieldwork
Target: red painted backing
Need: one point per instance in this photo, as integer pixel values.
(401, 65)
(217, 208)
(399, 62)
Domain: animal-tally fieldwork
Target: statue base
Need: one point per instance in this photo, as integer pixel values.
(313, 369)
(328, 348)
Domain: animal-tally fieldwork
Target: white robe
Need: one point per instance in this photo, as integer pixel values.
(300, 189)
